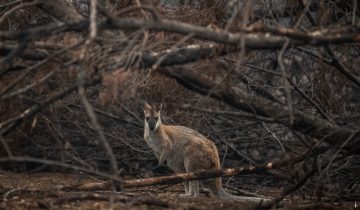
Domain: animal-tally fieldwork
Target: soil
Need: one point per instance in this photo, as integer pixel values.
(41, 191)
(47, 191)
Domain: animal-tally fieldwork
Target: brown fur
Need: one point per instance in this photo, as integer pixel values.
(184, 150)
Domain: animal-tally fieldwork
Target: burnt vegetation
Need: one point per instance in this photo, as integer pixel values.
(275, 84)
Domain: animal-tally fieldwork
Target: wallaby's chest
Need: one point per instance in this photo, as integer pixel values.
(153, 141)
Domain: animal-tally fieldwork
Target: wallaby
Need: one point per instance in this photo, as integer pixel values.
(185, 150)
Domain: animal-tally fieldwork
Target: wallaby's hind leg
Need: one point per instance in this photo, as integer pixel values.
(187, 189)
(191, 166)
(186, 185)
(194, 188)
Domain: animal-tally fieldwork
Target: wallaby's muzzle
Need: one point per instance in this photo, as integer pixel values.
(152, 124)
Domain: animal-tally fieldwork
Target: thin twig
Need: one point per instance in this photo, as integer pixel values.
(9, 12)
(37, 65)
(6, 146)
(60, 164)
(353, 21)
(7, 125)
(28, 87)
(283, 70)
(85, 101)
(275, 137)
(10, 3)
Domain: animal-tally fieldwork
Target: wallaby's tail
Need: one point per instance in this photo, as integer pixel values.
(253, 200)
(215, 186)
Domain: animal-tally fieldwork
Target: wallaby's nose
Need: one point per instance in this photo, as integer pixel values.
(152, 126)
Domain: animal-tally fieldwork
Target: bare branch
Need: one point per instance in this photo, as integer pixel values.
(233, 96)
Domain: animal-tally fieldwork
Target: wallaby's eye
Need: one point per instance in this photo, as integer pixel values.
(147, 118)
(156, 118)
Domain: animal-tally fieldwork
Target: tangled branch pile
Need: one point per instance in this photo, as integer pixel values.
(265, 80)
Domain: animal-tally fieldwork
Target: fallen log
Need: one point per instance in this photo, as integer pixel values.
(180, 177)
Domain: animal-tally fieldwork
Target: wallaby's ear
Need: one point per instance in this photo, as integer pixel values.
(160, 107)
(147, 107)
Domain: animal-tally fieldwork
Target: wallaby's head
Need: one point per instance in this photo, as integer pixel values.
(152, 116)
